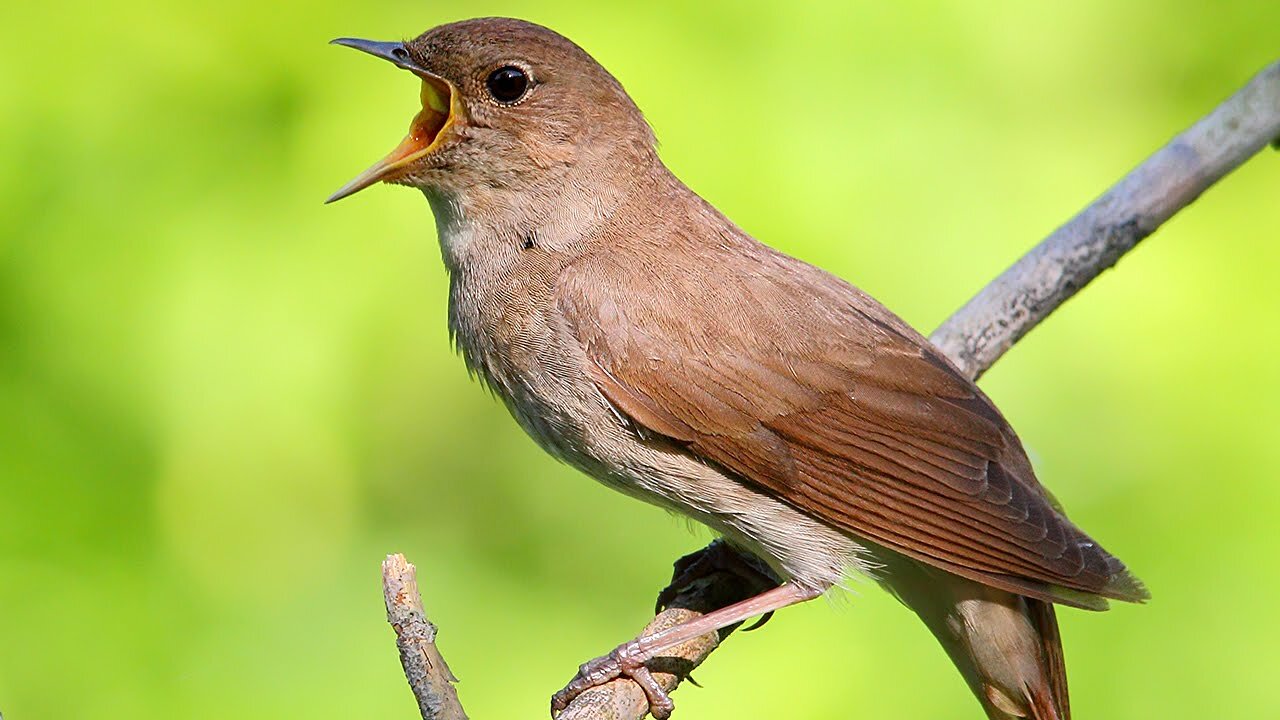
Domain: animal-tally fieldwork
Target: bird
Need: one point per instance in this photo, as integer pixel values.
(637, 334)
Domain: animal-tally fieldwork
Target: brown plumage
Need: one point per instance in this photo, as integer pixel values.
(809, 389)
(638, 334)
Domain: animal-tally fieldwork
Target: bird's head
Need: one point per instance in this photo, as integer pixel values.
(506, 105)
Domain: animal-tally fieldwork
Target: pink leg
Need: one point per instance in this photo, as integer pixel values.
(629, 658)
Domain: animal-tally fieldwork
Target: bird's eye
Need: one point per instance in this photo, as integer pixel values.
(508, 84)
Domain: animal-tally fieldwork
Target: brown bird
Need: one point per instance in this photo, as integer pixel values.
(639, 335)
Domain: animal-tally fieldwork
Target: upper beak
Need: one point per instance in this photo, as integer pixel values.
(440, 106)
(393, 52)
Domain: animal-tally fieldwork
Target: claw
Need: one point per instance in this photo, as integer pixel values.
(629, 659)
(625, 661)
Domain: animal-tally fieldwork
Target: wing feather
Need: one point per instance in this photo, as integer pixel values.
(805, 387)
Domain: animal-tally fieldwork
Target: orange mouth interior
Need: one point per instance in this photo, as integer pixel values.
(440, 105)
(426, 126)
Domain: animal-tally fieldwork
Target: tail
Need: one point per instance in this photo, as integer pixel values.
(1055, 704)
(1006, 646)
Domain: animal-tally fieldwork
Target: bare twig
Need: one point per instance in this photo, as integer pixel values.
(429, 676)
(974, 338)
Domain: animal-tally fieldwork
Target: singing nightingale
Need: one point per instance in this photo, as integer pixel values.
(639, 335)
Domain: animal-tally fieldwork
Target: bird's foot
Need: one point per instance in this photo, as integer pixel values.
(719, 556)
(627, 660)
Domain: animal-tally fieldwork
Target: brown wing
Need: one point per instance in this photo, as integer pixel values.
(807, 388)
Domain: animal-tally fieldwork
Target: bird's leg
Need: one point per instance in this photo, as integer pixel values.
(629, 658)
(719, 556)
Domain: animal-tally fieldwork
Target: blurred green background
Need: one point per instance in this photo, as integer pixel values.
(221, 403)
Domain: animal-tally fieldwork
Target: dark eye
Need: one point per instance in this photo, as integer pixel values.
(507, 84)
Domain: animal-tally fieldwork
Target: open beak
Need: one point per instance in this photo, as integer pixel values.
(440, 106)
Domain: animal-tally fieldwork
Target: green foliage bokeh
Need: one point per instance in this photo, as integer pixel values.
(221, 403)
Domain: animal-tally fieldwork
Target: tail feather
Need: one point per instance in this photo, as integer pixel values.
(1007, 646)
(1045, 621)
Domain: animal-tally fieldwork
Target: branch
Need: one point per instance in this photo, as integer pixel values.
(429, 676)
(973, 338)
(1092, 241)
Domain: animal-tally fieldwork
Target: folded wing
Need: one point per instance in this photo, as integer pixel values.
(805, 387)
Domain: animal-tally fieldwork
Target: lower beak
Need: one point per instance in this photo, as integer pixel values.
(440, 106)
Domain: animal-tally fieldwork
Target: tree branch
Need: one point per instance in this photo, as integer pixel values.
(1092, 241)
(428, 674)
(987, 326)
